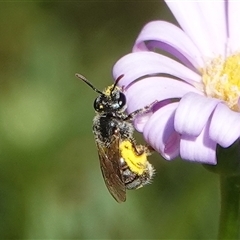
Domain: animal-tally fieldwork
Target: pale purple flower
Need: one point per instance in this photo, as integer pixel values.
(197, 88)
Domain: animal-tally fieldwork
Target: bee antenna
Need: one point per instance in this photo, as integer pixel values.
(117, 81)
(78, 75)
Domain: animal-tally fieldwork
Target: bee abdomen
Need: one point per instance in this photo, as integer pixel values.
(134, 181)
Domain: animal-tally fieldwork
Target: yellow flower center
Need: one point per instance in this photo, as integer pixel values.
(221, 80)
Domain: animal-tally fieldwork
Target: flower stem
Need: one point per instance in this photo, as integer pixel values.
(229, 223)
(228, 169)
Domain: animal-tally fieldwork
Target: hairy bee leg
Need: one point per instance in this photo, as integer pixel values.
(147, 149)
(146, 109)
(140, 149)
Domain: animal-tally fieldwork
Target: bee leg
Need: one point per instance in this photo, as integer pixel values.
(147, 149)
(146, 109)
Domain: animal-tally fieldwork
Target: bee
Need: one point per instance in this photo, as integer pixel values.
(123, 163)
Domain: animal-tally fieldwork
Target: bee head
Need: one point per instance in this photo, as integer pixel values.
(111, 100)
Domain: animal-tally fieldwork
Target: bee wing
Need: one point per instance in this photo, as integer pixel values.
(110, 166)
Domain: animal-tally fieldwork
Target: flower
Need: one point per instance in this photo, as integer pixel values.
(197, 85)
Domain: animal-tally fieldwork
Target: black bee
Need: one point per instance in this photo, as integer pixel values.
(124, 164)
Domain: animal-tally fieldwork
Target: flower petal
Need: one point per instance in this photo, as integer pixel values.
(199, 149)
(192, 113)
(148, 90)
(160, 134)
(225, 126)
(196, 25)
(234, 19)
(217, 24)
(141, 120)
(139, 64)
(165, 32)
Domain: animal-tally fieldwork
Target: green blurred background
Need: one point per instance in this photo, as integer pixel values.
(50, 181)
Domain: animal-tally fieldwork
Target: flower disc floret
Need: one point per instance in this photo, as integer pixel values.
(221, 79)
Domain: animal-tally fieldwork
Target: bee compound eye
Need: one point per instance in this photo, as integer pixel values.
(97, 105)
(122, 100)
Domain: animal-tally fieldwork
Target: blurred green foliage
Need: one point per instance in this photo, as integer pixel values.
(50, 181)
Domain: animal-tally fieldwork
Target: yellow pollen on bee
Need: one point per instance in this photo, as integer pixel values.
(135, 161)
(221, 79)
(108, 90)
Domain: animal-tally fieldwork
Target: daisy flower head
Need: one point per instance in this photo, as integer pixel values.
(196, 84)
